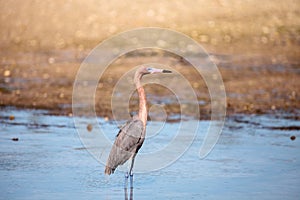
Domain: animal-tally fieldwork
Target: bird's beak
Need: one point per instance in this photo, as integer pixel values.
(155, 71)
(166, 71)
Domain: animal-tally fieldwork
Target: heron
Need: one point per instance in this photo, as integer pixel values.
(131, 135)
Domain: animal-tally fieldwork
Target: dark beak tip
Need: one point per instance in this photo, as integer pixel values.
(166, 71)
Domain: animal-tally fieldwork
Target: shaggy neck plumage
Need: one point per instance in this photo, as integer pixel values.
(142, 98)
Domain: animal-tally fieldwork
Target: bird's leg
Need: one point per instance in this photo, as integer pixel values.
(125, 186)
(131, 172)
(128, 172)
(131, 180)
(126, 181)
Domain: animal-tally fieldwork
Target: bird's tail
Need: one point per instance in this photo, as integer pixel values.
(108, 170)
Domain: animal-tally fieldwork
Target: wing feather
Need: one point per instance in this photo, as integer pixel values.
(128, 141)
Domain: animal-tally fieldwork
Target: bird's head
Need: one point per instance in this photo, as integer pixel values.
(151, 70)
(140, 72)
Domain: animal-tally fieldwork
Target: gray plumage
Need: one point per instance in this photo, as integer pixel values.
(128, 141)
(132, 135)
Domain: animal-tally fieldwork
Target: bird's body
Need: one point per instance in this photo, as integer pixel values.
(132, 135)
(128, 142)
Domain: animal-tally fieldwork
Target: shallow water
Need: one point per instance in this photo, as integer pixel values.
(251, 160)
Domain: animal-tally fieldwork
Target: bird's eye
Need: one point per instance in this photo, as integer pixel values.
(149, 69)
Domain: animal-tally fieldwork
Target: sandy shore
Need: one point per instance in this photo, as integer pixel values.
(254, 44)
(44, 80)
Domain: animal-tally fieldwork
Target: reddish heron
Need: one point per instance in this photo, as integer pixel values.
(131, 135)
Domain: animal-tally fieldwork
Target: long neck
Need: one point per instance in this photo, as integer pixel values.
(142, 100)
(142, 105)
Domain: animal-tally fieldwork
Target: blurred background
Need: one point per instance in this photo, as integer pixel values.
(254, 43)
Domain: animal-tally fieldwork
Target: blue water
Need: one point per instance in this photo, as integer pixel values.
(250, 161)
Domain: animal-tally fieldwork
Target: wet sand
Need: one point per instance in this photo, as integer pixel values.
(44, 80)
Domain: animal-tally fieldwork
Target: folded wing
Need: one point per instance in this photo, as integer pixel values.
(127, 143)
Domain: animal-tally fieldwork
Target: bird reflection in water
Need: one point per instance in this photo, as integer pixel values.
(130, 194)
